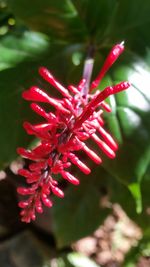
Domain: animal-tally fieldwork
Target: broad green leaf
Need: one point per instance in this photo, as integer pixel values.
(79, 213)
(56, 18)
(98, 17)
(132, 22)
(21, 46)
(13, 111)
(110, 20)
(19, 52)
(130, 124)
(103, 22)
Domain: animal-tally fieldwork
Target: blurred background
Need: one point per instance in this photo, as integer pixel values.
(105, 221)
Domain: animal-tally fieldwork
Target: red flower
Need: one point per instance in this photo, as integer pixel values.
(76, 119)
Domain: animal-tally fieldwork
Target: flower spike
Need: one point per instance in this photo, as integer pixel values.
(76, 119)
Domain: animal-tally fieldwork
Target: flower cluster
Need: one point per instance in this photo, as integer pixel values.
(64, 132)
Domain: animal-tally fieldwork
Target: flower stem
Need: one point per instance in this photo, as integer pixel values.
(87, 70)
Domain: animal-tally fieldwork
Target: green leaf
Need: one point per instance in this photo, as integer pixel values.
(22, 46)
(97, 16)
(132, 25)
(136, 192)
(129, 123)
(102, 22)
(13, 111)
(109, 20)
(19, 53)
(79, 213)
(56, 18)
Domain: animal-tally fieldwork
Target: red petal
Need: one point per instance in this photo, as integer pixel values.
(52, 80)
(111, 58)
(70, 178)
